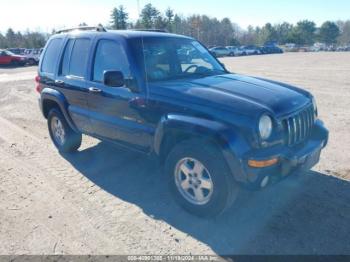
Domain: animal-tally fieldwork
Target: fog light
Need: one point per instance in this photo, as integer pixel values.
(264, 163)
(264, 182)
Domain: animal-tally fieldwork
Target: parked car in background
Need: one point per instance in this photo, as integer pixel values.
(251, 50)
(33, 56)
(331, 48)
(220, 51)
(271, 49)
(9, 58)
(17, 51)
(343, 48)
(236, 51)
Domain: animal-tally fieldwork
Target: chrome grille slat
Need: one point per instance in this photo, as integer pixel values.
(303, 124)
(295, 130)
(299, 126)
(289, 132)
(308, 126)
(311, 114)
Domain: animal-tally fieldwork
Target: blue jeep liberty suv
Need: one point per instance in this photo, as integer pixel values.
(214, 132)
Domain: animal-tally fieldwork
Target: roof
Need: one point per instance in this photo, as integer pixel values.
(125, 33)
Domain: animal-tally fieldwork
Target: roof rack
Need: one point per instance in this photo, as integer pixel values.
(151, 30)
(98, 28)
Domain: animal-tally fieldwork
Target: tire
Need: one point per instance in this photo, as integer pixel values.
(64, 138)
(31, 61)
(14, 63)
(215, 175)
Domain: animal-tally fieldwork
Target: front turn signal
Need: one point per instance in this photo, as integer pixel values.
(263, 163)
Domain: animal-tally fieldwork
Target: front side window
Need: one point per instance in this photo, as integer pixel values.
(175, 58)
(51, 56)
(109, 56)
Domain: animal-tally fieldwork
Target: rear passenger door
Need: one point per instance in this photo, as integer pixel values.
(112, 109)
(71, 80)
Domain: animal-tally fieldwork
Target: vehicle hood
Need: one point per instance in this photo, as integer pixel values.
(237, 93)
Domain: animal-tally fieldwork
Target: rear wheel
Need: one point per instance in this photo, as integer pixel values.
(64, 138)
(200, 179)
(31, 61)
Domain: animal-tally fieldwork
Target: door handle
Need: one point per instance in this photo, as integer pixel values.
(94, 90)
(59, 82)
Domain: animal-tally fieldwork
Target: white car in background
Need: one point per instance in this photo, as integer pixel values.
(237, 51)
(251, 50)
(33, 55)
(220, 51)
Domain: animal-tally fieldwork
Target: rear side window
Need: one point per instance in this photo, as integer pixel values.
(109, 56)
(79, 57)
(66, 57)
(51, 56)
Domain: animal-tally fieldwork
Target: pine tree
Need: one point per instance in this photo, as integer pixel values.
(119, 18)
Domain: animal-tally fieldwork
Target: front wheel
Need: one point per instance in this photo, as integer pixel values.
(199, 178)
(64, 138)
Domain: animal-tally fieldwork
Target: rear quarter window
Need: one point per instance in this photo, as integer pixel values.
(50, 58)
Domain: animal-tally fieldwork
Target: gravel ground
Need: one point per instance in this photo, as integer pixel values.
(106, 200)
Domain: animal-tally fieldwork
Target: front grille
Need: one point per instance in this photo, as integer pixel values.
(299, 126)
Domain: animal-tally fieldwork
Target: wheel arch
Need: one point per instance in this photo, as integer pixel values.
(173, 129)
(51, 98)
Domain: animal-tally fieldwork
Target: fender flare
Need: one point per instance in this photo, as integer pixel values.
(60, 100)
(224, 137)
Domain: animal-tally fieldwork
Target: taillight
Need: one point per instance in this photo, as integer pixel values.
(38, 85)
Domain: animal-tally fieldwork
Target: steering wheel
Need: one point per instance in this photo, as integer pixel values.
(190, 67)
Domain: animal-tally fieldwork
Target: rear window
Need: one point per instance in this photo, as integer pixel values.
(51, 56)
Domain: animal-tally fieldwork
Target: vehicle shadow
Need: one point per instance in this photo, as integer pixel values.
(14, 66)
(304, 214)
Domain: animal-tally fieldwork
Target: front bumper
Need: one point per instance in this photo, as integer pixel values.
(294, 159)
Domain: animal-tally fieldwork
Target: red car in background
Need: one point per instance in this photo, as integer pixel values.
(9, 58)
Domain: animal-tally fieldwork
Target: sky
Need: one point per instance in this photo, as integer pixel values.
(46, 15)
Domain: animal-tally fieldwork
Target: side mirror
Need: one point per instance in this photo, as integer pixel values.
(113, 78)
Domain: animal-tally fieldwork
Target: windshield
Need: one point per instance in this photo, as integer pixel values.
(8, 52)
(175, 58)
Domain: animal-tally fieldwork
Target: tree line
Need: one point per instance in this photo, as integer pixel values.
(212, 31)
(209, 30)
(22, 40)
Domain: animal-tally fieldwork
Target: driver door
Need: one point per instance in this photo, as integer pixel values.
(114, 113)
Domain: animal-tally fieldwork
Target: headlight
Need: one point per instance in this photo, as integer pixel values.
(265, 126)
